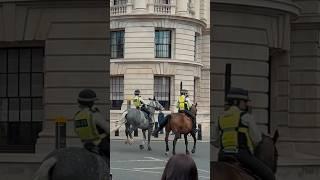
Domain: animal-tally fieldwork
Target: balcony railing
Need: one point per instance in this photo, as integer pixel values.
(117, 10)
(162, 8)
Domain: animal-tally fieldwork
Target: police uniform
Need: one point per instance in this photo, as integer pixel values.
(140, 104)
(91, 127)
(236, 134)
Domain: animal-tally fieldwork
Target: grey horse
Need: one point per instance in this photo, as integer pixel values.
(73, 163)
(135, 119)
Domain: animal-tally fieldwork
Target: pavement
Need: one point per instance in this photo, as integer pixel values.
(129, 162)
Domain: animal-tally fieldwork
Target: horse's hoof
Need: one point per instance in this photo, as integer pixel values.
(174, 153)
(141, 147)
(187, 152)
(149, 149)
(166, 153)
(193, 151)
(126, 142)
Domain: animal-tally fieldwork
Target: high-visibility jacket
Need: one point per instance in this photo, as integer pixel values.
(85, 127)
(234, 134)
(137, 101)
(183, 104)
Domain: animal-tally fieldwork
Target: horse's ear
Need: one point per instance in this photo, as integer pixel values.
(275, 136)
(196, 104)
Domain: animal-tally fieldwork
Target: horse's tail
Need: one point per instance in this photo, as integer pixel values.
(167, 120)
(122, 121)
(43, 172)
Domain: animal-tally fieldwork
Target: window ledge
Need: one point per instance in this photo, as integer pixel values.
(155, 61)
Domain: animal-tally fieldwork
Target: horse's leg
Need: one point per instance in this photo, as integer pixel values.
(130, 134)
(186, 143)
(167, 141)
(127, 133)
(143, 140)
(149, 137)
(176, 137)
(194, 142)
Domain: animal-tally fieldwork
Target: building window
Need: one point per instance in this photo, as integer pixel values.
(21, 94)
(116, 92)
(117, 44)
(163, 44)
(162, 1)
(162, 90)
(196, 46)
(119, 2)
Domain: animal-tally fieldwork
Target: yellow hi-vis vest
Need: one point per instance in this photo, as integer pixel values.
(234, 134)
(182, 102)
(85, 127)
(136, 101)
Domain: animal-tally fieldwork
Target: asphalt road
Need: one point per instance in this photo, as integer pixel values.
(129, 162)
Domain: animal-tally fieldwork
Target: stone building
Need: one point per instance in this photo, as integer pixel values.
(273, 47)
(155, 45)
(49, 51)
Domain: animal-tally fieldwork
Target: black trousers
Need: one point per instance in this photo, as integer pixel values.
(252, 163)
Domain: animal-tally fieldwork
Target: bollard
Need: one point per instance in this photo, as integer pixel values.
(60, 132)
(136, 133)
(199, 132)
(156, 127)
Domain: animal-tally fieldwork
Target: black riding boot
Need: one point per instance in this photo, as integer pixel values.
(194, 125)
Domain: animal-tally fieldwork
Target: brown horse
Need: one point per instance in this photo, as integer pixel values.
(180, 123)
(266, 151)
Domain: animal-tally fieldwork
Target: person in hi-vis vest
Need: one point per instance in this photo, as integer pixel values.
(140, 104)
(90, 126)
(183, 105)
(237, 134)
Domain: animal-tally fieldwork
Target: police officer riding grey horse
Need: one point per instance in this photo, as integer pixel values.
(140, 117)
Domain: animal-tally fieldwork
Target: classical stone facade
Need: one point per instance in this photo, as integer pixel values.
(273, 48)
(189, 57)
(74, 37)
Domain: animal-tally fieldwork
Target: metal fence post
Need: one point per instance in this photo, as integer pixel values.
(60, 132)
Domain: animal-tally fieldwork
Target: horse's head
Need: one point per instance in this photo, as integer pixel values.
(267, 152)
(156, 104)
(193, 109)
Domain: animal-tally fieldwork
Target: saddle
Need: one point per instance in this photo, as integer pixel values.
(236, 164)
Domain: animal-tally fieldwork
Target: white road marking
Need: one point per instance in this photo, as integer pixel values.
(203, 170)
(136, 170)
(204, 177)
(147, 159)
(150, 168)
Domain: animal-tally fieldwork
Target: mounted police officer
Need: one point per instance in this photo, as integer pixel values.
(237, 134)
(90, 125)
(140, 104)
(183, 105)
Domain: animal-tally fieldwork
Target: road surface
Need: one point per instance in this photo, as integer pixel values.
(129, 162)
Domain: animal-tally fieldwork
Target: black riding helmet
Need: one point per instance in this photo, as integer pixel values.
(87, 97)
(137, 92)
(237, 94)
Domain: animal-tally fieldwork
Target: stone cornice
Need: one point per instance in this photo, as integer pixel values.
(280, 5)
(155, 61)
(156, 17)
